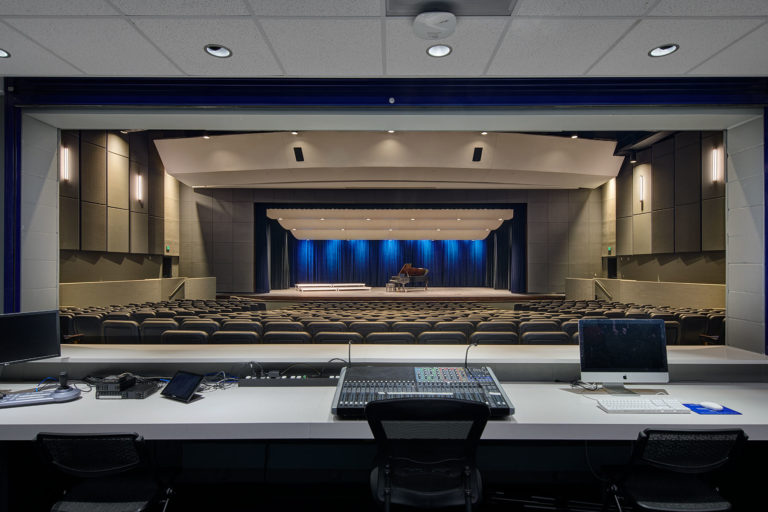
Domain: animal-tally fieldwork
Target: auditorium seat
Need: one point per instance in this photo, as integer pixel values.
(152, 329)
(242, 325)
(234, 337)
(118, 315)
(672, 332)
(493, 338)
(287, 337)
(442, 338)
(325, 326)
(691, 327)
(120, 331)
(337, 337)
(714, 323)
(614, 313)
(546, 338)
(661, 315)
(142, 314)
(365, 328)
(165, 313)
(497, 325)
(635, 313)
(207, 325)
(414, 327)
(89, 325)
(538, 325)
(282, 326)
(570, 327)
(401, 337)
(184, 337)
(466, 327)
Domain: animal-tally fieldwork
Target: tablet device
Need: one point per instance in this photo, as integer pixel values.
(182, 387)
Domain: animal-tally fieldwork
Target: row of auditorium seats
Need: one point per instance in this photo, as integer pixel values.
(533, 322)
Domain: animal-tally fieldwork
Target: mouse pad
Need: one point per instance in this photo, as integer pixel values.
(703, 410)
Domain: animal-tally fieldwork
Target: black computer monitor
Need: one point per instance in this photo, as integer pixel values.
(621, 351)
(29, 336)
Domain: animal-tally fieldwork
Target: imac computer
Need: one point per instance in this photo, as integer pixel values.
(623, 351)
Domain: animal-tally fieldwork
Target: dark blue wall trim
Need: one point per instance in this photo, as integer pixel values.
(12, 213)
(765, 223)
(488, 92)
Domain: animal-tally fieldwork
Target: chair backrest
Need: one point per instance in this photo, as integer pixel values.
(207, 325)
(287, 337)
(283, 326)
(184, 337)
(538, 325)
(691, 326)
(92, 455)
(390, 337)
(494, 338)
(546, 338)
(337, 337)
(687, 451)
(497, 325)
(466, 327)
(234, 337)
(153, 328)
(118, 315)
(89, 325)
(120, 331)
(442, 338)
(315, 327)
(672, 331)
(365, 328)
(570, 327)
(414, 327)
(141, 315)
(243, 325)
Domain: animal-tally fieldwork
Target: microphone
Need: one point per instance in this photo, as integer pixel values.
(466, 354)
(349, 354)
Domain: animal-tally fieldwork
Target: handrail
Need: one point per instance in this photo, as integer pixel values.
(602, 288)
(176, 290)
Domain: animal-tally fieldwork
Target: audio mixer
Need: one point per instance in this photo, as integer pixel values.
(362, 384)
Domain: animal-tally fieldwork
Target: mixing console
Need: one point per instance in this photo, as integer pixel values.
(362, 384)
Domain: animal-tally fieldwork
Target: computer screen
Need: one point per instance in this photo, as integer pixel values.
(29, 336)
(623, 350)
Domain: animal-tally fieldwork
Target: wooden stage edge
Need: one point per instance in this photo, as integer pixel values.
(436, 294)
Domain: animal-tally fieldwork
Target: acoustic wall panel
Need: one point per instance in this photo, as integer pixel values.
(624, 191)
(139, 186)
(155, 195)
(69, 165)
(93, 227)
(713, 224)
(663, 179)
(688, 173)
(137, 147)
(139, 233)
(156, 235)
(683, 139)
(96, 137)
(663, 231)
(69, 223)
(624, 236)
(117, 143)
(688, 228)
(117, 181)
(712, 166)
(93, 173)
(641, 233)
(117, 230)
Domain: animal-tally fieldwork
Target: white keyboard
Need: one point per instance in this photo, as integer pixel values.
(642, 405)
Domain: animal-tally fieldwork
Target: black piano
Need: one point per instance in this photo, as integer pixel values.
(411, 275)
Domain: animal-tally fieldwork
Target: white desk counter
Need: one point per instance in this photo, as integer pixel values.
(544, 411)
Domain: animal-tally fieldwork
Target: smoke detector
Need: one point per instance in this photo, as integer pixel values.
(434, 25)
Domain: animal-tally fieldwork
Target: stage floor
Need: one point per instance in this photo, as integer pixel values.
(415, 294)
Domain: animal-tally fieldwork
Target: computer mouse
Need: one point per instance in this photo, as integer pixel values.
(712, 406)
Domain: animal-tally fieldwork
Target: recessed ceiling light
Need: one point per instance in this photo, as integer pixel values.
(390, 229)
(664, 50)
(575, 136)
(501, 220)
(293, 229)
(487, 229)
(439, 50)
(438, 229)
(390, 131)
(322, 218)
(458, 220)
(217, 50)
(633, 157)
(367, 218)
(413, 219)
(294, 133)
(206, 137)
(342, 229)
(483, 133)
(5, 54)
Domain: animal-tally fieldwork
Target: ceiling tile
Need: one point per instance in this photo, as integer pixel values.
(710, 8)
(583, 7)
(181, 7)
(28, 58)
(698, 39)
(327, 47)
(317, 7)
(183, 39)
(473, 44)
(98, 46)
(55, 7)
(746, 57)
(554, 47)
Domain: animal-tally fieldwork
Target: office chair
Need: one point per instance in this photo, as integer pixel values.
(426, 451)
(104, 472)
(664, 471)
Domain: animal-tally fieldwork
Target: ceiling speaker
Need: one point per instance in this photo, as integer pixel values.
(434, 25)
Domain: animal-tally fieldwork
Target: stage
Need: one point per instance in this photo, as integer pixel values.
(441, 294)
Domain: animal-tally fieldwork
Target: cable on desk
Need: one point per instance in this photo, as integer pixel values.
(261, 368)
(37, 388)
(212, 383)
(339, 359)
(587, 386)
(318, 373)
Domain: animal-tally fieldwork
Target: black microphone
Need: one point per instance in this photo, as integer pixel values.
(349, 354)
(466, 354)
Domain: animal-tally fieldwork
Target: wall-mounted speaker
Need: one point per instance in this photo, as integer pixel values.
(477, 154)
(299, 154)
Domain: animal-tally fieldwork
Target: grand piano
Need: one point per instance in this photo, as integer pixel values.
(409, 274)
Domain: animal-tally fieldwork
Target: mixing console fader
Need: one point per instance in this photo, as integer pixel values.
(362, 384)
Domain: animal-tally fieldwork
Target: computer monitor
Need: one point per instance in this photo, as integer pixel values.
(29, 336)
(622, 351)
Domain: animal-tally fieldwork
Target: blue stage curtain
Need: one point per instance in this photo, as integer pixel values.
(373, 262)
(261, 250)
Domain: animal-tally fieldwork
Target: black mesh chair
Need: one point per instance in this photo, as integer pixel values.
(104, 472)
(234, 337)
(426, 451)
(667, 468)
(337, 337)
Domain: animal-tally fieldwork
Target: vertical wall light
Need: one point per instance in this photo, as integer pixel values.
(65, 163)
(642, 191)
(715, 164)
(139, 189)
